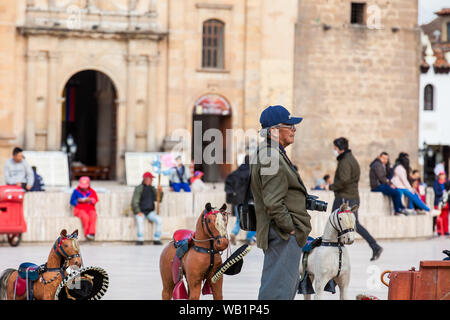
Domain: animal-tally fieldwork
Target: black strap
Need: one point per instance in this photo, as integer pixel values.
(211, 253)
(339, 246)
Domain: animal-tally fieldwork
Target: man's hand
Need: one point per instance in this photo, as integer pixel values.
(140, 214)
(393, 187)
(28, 187)
(160, 189)
(18, 184)
(293, 232)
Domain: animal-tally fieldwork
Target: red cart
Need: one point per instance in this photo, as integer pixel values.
(12, 221)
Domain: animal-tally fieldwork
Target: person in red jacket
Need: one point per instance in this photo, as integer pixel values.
(84, 199)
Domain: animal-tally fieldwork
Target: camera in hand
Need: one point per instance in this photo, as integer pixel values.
(315, 205)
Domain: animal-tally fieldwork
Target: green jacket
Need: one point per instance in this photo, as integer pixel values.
(280, 197)
(346, 178)
(137, 198)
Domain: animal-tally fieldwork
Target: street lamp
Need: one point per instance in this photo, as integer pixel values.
(424, 152)
(70, 147)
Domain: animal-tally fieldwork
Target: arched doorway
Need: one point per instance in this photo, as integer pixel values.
(89, 115)
(213, 112)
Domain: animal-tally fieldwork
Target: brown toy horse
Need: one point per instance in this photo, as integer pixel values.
(65, 252)
(201, 260)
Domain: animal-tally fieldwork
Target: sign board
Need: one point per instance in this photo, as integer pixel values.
(53, 167)
(137, 163)
(212, 105)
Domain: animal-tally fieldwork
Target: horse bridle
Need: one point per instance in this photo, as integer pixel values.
(211, 251)
(59, 250)
(205, 223)
(339, 228)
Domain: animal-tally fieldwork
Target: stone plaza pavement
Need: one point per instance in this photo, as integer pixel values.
(134, 271)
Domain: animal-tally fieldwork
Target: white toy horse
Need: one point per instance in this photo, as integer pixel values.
(329, 262)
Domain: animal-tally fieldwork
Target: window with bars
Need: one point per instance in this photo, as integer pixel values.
(213, 44)
(428, 98)
(358, 13)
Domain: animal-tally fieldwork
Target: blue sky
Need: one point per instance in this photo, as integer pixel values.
(428, 7)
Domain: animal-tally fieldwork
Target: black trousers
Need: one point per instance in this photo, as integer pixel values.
(359, 228)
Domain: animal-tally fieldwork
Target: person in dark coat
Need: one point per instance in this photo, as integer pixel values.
(345, 187)
(235, 188)
(38, 184)
(379, 182)
(143, 205)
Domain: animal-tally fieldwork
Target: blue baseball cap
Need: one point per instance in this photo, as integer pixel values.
(275, 115)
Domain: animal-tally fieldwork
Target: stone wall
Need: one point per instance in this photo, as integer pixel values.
(48, 213)
(356, 81)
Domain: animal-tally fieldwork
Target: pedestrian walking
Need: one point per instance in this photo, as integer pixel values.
(345, 187)
(282, 222)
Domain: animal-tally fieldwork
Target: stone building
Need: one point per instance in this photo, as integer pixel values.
(356, 75)
(434, 115)
(121, 76)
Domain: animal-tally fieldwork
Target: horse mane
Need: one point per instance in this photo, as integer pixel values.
(221, 224)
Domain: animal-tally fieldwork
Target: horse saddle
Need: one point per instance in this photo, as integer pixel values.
(182, 239)
(28, 273)
(305, 285)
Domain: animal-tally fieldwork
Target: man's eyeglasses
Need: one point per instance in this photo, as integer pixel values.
(290, 127)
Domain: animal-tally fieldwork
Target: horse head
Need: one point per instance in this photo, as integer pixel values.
(213, 224)
(67, 247)
(343, 221)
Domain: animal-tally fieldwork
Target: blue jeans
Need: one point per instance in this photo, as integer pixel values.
(152, 217)
(178, 186)
(414, 198)
(395, 194)
(237, 228)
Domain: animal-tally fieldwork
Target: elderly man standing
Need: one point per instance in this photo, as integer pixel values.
(18, 172)
(282, 222)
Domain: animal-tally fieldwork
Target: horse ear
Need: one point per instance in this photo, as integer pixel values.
(208, 207)
(343, 207)
(224, 207)
(75, 233)
(64, 233)
(354, 208)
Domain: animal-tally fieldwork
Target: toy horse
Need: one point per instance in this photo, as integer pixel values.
(196, 256)
(40, 282)
(325, 261)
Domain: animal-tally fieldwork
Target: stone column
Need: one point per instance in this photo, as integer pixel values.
(121, 138)
(54, 115)
(30, 129)
(152, 103)
(131, 102)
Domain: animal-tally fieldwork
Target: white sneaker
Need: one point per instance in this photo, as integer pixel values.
(435, 213)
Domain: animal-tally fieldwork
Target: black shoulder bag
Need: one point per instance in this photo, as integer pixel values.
(247, 214)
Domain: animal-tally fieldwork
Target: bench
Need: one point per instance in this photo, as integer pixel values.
(93, 172)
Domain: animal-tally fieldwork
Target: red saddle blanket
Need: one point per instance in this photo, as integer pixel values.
(21, 288)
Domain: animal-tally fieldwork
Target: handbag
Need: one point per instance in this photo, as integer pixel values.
(246, 211)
